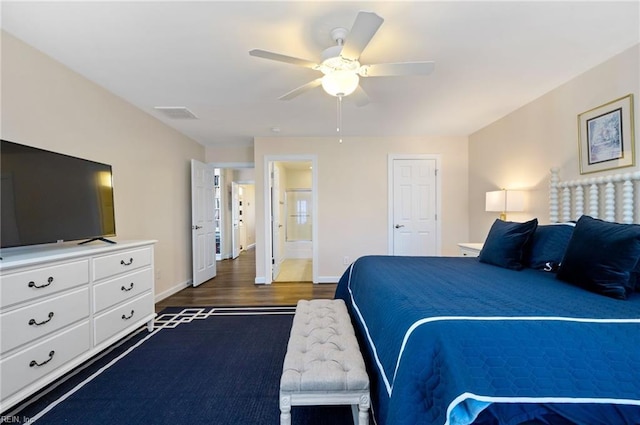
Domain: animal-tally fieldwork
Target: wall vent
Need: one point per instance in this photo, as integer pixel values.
(176, 112)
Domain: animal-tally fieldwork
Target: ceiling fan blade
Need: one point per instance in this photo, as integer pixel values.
(298, 91)
(282, 58)
(362, 31)
(396, 69)
(359, 97)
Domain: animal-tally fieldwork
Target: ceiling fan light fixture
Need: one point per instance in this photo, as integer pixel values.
(340, 63)
(340, 83)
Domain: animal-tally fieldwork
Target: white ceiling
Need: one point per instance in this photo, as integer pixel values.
(491, 58)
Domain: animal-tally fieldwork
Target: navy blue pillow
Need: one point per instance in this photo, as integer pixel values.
(504, 246)
(601, 256)
(548, 245)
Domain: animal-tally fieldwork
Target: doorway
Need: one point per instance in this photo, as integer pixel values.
(235, 209)
(297, 263)
(291, 211)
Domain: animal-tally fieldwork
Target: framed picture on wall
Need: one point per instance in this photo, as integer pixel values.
(606, 136)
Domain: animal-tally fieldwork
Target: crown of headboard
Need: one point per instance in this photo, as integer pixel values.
(567, 199)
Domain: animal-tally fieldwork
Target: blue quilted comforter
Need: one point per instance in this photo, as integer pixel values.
(455, 341)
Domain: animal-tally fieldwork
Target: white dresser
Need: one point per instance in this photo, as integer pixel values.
(62, 304)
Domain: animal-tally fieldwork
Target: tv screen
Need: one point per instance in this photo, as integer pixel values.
(50, 197)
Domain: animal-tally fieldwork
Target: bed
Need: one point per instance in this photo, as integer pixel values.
(554, 339)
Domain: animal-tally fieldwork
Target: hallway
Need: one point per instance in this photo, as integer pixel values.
(234, 286)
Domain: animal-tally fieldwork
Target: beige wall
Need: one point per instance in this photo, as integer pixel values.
(45, 104)
(353, 190)
(518, 151)
(229, 155)
(298, 179)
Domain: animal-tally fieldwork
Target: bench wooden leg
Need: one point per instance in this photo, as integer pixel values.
(363, 416)
(285, 410)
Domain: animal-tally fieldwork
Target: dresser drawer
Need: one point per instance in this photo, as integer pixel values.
(24, 286)
(122, 262)
(113, 321)
(125, 287)
(37, 320)
(26, 367)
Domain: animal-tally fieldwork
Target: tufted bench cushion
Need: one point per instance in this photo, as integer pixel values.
(323, 364)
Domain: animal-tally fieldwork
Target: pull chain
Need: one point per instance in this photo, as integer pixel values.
(339, 118)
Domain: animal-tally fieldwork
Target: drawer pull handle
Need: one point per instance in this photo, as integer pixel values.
(32, 284)
(125, 317)
(124, 263)
(127, 289)
(35, 363)
(33, 321)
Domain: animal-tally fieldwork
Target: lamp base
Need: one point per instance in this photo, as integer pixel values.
(503, 216)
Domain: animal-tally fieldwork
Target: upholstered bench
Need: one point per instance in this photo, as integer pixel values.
(323, 364)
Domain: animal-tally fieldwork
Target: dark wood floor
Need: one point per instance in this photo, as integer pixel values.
(234, 286)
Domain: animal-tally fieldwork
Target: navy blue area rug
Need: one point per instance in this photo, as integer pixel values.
(199, 366)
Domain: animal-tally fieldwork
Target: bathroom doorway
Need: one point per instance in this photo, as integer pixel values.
(293, 219)
(298, 240)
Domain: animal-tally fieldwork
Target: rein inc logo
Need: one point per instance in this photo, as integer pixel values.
(14, 419)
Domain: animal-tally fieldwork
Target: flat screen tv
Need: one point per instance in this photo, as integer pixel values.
(49, 197)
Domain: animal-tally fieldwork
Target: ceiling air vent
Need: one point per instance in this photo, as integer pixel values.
(176, 112)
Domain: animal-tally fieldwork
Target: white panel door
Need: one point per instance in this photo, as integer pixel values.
(414, 207)
(203, 229)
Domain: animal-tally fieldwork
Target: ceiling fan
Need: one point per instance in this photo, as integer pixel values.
(340, 63)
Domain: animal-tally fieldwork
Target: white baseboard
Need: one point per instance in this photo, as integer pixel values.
(260, 280)
(328, 279)
(173, 290)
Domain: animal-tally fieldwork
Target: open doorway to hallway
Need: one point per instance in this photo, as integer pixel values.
(234, 211)
(292, 211)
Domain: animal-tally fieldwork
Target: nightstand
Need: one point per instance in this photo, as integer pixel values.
(469, 249)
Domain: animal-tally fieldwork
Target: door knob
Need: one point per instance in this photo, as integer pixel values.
(399, 226)
(196, 227)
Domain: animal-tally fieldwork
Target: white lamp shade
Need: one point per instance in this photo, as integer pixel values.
(504, 201)
(340, 83)
(515, 200)
(495, 201)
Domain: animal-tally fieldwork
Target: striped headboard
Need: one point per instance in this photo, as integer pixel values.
(569, 200)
